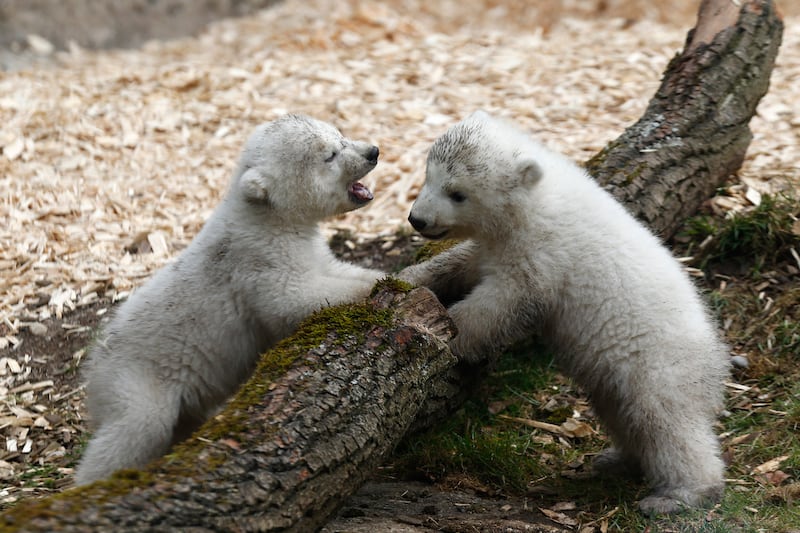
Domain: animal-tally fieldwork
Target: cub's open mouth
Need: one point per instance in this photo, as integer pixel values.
(358, 193)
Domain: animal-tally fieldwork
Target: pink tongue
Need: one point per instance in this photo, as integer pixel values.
(359, 192)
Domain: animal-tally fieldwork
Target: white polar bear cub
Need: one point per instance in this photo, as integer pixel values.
(185, 341)
(552, 252)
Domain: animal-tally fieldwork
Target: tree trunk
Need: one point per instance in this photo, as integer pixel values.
(328, 404)
(694, 133)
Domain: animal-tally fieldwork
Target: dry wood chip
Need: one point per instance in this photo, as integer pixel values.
(6, 470)
(20, 413)
(769, 466)
(559, 518)
(569, 428)
(32, 386)
(111, 145)
(12, 364)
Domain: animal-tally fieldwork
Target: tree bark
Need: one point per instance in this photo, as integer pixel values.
(328, 404)
(322, 410)
(694, 134)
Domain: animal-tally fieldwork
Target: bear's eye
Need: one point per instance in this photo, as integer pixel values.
(457, 197)
(332, 157)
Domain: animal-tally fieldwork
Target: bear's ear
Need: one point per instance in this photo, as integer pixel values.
(479, 116)
(253, 184)
(528, 172)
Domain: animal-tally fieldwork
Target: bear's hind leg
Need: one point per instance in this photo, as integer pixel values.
(613, 462)
(142, 433)
(668, 436)
(680, 459)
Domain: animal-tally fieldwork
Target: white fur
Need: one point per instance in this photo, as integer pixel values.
(185, 341)
(549, 251)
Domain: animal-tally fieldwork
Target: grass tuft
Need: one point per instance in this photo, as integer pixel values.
(758, 237)
(487, 450)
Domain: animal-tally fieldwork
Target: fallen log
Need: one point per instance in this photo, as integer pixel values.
(328, 404)
(321, 411)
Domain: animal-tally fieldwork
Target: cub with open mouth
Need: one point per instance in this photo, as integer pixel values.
(186, 339)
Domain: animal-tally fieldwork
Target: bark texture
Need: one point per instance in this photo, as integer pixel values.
(694, 133)
(321, 412)
(327, 405)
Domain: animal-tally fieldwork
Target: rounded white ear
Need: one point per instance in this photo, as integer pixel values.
(479, 116)
(529, 172)
(253, 185)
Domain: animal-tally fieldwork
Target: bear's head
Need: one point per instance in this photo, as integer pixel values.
(477, 172)
(304, 168)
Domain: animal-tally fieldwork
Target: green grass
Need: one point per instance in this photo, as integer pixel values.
(759, 303)
(754, 238)
(479, 447)
(45, 476)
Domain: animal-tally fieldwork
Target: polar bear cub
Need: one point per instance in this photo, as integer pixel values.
(549, 251)
(185, 340)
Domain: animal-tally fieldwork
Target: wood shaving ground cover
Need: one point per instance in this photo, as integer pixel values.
(111, 161)
(113, 149)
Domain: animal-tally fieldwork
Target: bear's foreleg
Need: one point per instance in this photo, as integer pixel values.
(338, 290)
(451, 275)
(496, 314)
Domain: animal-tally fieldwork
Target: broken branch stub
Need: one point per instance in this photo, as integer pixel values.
(694, 134)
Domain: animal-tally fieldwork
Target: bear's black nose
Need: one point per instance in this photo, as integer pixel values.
(418, 224)
(372, 154)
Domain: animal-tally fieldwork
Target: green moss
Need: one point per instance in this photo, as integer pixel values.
(74, 501)
(598, 162)
(433, 248)
(392, 284)
(138, 477)
(635, 173)
(333, 326)
(599, 159)
(345, 320)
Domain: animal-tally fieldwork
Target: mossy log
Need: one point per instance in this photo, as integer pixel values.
(320, 413)
(327, 405)
(694, 133)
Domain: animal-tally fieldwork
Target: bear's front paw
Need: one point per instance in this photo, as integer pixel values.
(413, 275)
(461, 349)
